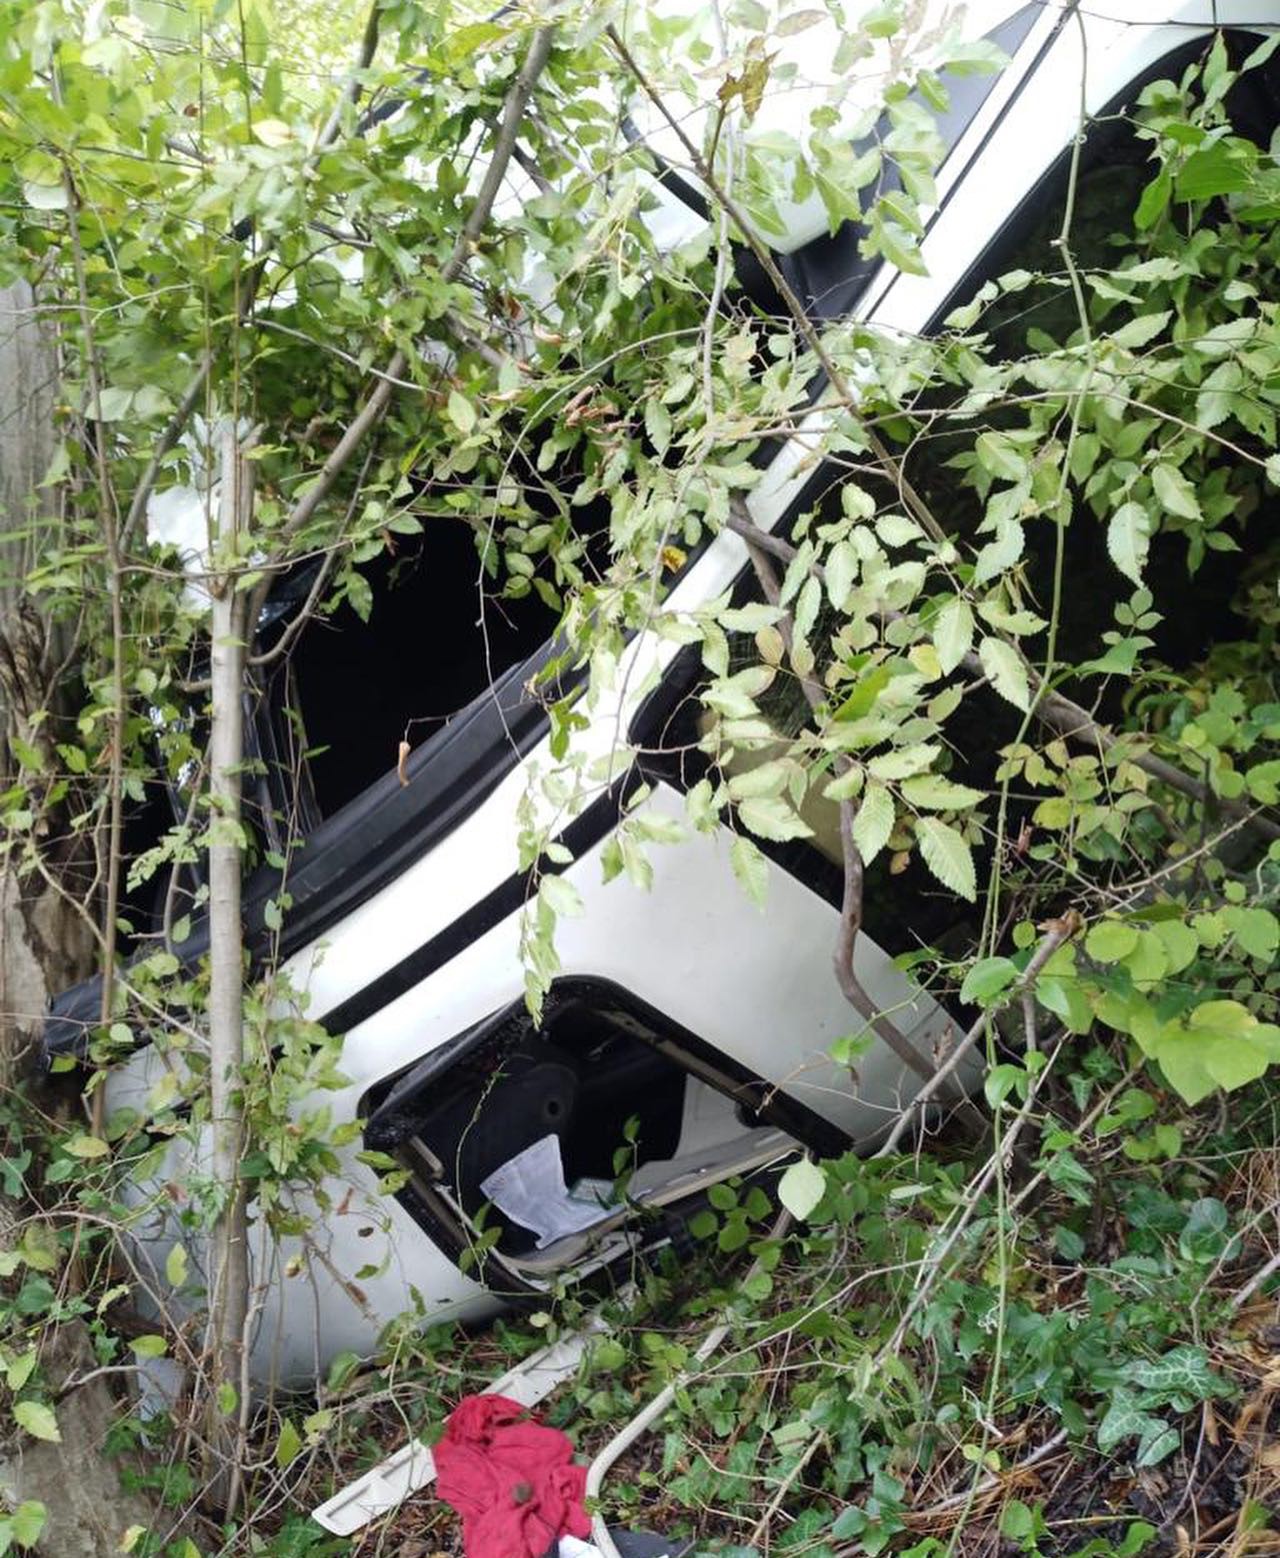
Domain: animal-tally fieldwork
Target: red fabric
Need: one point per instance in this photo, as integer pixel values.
(512, 1480)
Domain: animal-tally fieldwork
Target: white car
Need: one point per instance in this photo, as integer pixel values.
(688, 1037)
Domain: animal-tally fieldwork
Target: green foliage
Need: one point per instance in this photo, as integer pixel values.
(570, 397)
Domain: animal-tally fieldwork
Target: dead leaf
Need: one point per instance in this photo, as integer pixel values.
(401, 760)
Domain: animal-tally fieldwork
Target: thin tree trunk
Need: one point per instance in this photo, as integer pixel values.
(46, 942)
(229, 1300)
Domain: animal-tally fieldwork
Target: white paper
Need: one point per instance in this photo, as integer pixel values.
(530, 1190)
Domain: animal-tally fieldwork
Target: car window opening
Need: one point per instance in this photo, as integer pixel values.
(439, 633)
(592, 1123)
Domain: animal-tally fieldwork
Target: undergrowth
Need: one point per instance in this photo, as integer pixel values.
(1093, 1370)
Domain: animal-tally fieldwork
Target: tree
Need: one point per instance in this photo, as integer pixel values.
(327, 324)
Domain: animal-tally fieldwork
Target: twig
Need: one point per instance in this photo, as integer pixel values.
(761, 1527)
(1262, 1275)
(1059, 932)
(851, 986)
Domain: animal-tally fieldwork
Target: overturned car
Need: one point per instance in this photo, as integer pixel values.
(687, 1038)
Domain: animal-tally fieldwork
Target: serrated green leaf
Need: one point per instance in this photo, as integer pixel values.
(1175, 492)
(1129, 540)
(561, 896)
(38, 1420)
(948, 856)
(874, 821)
(953, 633)
(933, 792)
(751, 869)
(1141, 330)
(1007, 672)
(770, 817)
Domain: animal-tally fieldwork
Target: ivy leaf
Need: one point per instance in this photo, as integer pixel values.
(801, 1187)
(1182, 1371)
(1007, 672)
(874, 822)
(1125, 1419)
(948, 856)
(38, 1420)
(1129, 540)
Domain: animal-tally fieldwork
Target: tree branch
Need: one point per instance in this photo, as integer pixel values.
(1064, 717)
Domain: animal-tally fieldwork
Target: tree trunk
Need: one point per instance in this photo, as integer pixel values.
(46, 942)
(229, 1298)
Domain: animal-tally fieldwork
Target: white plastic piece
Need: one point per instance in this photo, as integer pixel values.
(412, 1467)
(388, 1484)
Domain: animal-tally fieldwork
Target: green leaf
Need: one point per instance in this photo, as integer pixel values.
(903, 762)
(936, 793)
(175, 1265)
(27, 1522)
(1154, 199)
(953, 633)
(461, 412)
(1129, 540)
(1007, 672)
(86, 1147)
(1000, 456)
(801, 1187)
(561, 896)
(344, 1365)
(1256, 931)
(288, 1444)
(770, 817)
(151, 1346)
(1141, 330)
(38, 1420)
(1125, 1419)
(986, 979)
(948, 856)
(874, 822)
(45, 197)
(1175, 492)
(1182, 1371)
(1213, 171)
(751, 869)
(1111, 941)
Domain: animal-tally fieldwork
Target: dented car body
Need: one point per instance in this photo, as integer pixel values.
(688, 1036)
